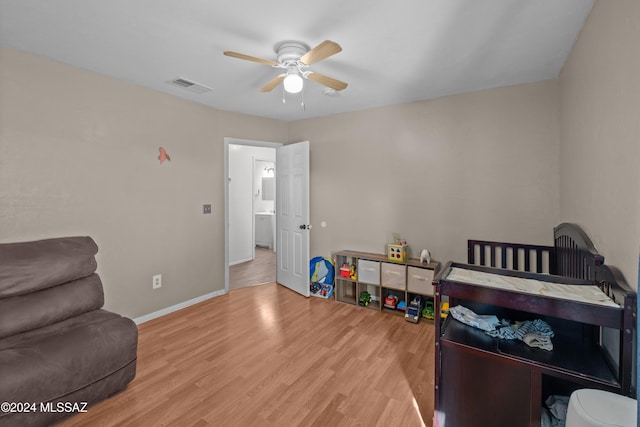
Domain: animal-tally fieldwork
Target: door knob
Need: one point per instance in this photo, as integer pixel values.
(305, 227)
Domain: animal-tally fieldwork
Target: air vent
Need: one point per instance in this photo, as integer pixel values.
(190, 86)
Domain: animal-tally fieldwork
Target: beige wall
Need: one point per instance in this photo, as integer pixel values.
(481, 165)
(600, 133)
(78, 156)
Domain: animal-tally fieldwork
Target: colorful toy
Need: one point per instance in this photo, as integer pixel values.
(327, 291)
(365, 298)
(322, 272)
(345, 271)
(397, 251)
(413, 311)
(444, 311)
(402, 305)
(428, 312)
(391, 301)
(348, 271)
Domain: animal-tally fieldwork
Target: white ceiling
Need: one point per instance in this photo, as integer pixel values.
(393, 51)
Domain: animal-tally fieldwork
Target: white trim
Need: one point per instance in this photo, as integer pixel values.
(179, 306)
(243, 260)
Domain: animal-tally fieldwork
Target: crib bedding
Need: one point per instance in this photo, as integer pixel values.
(590, 294)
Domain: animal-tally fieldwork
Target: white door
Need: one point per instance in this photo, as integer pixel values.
(292, 216)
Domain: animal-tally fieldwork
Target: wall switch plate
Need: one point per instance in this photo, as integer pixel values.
(157, 281)
(206, 209)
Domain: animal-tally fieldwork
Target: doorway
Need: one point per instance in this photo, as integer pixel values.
(250, 246)
(292, 211)
(260, 270)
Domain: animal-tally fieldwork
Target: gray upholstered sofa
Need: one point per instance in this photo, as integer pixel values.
(56, 343)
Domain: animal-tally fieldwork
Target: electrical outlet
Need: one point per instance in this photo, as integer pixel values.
(157, 281)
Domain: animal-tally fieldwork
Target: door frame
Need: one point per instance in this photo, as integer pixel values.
(227, 142)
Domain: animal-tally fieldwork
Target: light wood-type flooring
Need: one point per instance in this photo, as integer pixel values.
(261, 270)
(266, 356)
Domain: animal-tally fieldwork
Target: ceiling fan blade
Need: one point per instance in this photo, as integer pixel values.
(326, 81)
(320, 52)
(250, 58)
(273, 83)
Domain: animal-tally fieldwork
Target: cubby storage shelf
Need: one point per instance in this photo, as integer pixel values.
(380, 276)
(345, 291)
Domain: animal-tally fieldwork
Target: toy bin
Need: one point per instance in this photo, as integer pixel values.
(322, 272)
(393, 276)
(369, 271)
(420, 280)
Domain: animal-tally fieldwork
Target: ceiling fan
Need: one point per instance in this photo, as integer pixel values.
(295, 57)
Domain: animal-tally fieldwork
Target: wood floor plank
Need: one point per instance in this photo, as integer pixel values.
(266, 356)
(258, 271)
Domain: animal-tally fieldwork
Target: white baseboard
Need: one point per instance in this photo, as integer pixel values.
(179, 306)
(240, 261)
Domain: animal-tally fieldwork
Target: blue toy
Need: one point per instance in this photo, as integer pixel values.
(322, 272)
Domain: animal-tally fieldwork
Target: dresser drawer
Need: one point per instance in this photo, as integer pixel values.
(419, 280)
(393, 276)
(369, 272)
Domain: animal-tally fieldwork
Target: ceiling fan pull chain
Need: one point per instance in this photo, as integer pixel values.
(284, 101)
(304, 107)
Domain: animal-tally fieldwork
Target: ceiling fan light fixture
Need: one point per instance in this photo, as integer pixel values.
(295, 57)
(293, 83)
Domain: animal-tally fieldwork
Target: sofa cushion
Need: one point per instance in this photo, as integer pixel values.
(92, 394)
(42, 308)
(50, 362)
(30, 266)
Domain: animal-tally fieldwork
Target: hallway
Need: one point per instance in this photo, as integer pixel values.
(261, 270)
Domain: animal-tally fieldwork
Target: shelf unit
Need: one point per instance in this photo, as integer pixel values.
(380, 277)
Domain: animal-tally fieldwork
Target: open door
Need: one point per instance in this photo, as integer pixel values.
(292, 216)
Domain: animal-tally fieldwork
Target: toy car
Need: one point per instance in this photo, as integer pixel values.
(327, 290)
(391, 301)
(444, 310)
(365, 298)
(315, 288)
(428, 312)
(413, 311)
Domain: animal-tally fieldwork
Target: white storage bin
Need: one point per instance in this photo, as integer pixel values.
(369, 272)
(598, 408)
(393, 276)
(419, 280)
